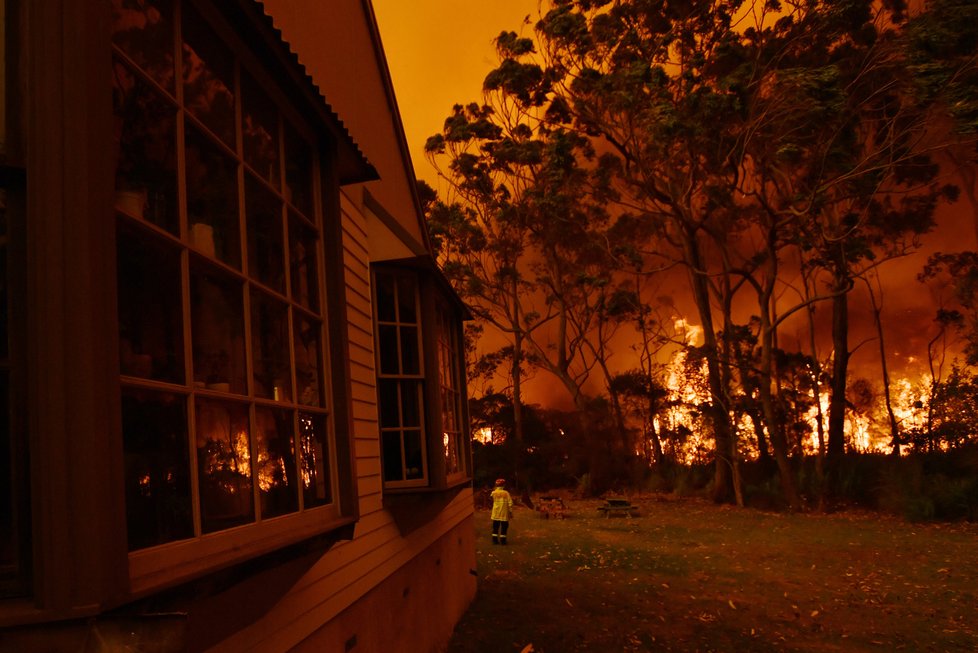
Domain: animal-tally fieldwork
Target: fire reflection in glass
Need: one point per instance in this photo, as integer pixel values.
(275, 464)
(223, 465)
(315, 460)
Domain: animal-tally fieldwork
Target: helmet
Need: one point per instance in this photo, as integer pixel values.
(500, 481)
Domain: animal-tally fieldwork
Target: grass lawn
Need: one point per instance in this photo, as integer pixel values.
(687, 575)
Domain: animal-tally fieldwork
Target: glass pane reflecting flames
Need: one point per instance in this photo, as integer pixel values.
(275, 464)
(315, 460)
(224, 465)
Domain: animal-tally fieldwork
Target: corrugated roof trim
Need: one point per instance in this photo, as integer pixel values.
(294, 60)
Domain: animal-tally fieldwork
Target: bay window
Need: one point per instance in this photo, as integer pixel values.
(221, 193)
(419, 371)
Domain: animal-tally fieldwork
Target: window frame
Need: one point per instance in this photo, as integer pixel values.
(434, 299)
(16, 579)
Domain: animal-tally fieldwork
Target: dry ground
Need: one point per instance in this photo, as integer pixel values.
(687, 575)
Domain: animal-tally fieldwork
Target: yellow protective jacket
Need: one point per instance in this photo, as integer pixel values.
(502, 505)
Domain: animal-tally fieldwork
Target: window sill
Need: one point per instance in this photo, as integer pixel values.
(450, 485)
(168, 565)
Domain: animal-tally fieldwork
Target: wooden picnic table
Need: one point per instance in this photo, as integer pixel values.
(618, 506)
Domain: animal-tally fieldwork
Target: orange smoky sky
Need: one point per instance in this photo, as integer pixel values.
(439, 51)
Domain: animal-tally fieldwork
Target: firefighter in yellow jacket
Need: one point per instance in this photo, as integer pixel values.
(502, 512)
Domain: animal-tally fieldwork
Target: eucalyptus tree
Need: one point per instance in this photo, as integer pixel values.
(741, 130)
(481, 239)
(633, 76)
(527, 241)
(835, 164)
(857, 162)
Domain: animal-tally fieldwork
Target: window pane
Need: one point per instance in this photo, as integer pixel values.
(307, 369)
(407, 294)
(276, 465)
(315, 460)
(384, 300)
(266, 250)
(410, 360)
(390, 405)
(411, 403)
(393, 463)
(217, 325)
(270, 348)
(223, 465)
(208, 76)
(387, 339)
(4, 318)
(8, 534)
(448, 416)
(150, 306)
(259, 129)
(157, 463)
(8, 525)
(298, 170)
(144, 147)
(452, 452)
(302, 262)
(144, 31)
(413, 457)
(212, 199)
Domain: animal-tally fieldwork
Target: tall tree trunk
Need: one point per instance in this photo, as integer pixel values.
(722, 478)
(652, 434)
(775, 424)
(726, 358)
(878, 320)
(516, 380)
(757, 421)
(615, 397)
(816, 384)
(840, 366)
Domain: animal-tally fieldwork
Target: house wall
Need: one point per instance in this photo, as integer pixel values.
(411, 611)
(384, 583)
(419, 578)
